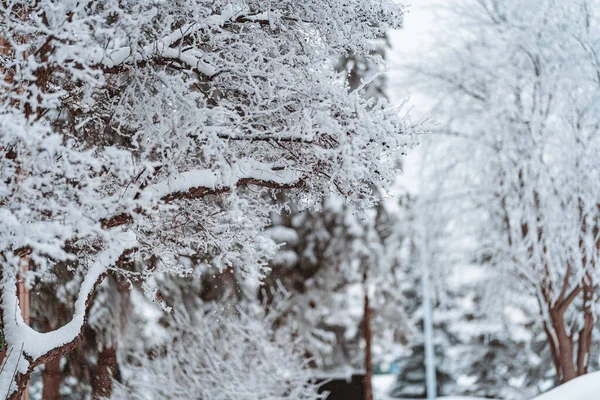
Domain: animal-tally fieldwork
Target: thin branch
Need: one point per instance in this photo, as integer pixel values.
(267, 139)
(562, 306)
(563, 291)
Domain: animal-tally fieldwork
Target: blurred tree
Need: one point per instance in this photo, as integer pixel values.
(516, 97)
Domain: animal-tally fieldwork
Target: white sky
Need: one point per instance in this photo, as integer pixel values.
(416, 38)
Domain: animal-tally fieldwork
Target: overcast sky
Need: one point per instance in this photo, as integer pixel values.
(409, 43)
(421, 35)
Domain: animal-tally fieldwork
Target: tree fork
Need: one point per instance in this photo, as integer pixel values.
(22, 379)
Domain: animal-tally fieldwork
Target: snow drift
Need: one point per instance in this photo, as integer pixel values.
(585, 387)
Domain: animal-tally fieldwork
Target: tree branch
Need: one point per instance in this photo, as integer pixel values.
(563, 291)
(30, 348)
(562, 306)
(197, 184)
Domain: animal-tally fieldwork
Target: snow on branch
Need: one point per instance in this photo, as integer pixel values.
(162, 47)
(223, 354)
(246, 171)
(28, 347)
(197, 184)
(104, 127)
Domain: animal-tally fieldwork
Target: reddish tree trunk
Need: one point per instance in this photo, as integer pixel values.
(565, 348)
(51, 378)
(569, 364)
(553, 349)
(585, 334)
(585, 344)
(106, 368)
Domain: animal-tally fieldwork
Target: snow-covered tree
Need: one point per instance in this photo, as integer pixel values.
(136, 132)
(517, 95)
(485, 339)
(322, 264)
(221, 355)
(346, 319)
(91, 366)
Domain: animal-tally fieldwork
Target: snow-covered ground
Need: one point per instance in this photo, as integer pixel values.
(583, 388)
(382, 385)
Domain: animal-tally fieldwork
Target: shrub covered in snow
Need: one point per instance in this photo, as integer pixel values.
(222, 355)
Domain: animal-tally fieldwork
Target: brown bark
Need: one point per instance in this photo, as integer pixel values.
(562, 344)
(106, 368)
(553, 349)
(368, 338)
(201, 192)
(585, 334)
(585, 344)
(51, 378)
(565, 347)
(570, 354)
(22, 379)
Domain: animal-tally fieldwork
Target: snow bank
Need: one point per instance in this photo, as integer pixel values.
(382, 384)
(583, 388)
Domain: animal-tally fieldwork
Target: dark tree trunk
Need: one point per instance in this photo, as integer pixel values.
(51, 378)
(570, 364)
(106, 369)
(368, 338)
(565, 347)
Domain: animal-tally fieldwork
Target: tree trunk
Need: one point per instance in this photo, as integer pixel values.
(565, 348)
(368, 337)
(562, 344)
(106, 369)
(51, 378)
(23, 295)
(553, 351)
(585, 344)
(568, 363)
(585, 334)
